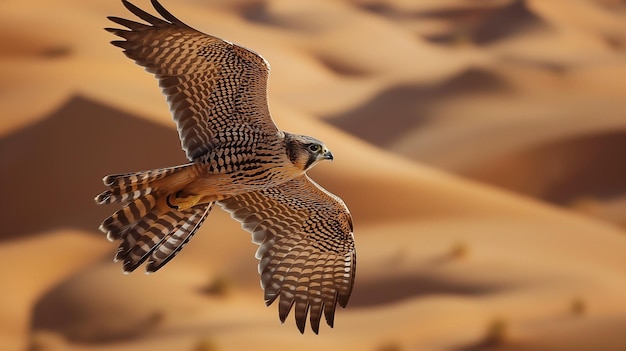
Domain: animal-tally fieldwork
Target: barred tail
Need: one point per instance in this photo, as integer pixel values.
(130, 186)
(149, 228)
(158, 238)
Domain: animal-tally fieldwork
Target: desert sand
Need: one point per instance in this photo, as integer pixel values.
(478, 145)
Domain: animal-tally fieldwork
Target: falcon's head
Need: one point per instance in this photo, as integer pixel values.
(305, 151)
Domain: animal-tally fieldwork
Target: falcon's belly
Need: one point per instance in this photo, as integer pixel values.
(217, 180)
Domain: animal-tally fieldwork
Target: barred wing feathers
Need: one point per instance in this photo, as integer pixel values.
(307, 254)
(217, 91)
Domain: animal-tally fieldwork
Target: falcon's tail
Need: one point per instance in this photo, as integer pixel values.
(150, 228)
(131, 186)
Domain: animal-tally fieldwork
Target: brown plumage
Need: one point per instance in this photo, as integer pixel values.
(240, 160)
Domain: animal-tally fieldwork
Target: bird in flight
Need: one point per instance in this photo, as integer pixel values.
(239, 160)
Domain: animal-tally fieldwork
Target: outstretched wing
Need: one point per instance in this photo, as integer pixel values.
(307, 255)
(217, 91)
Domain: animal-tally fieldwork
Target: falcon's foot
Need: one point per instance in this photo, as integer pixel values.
(183, 203)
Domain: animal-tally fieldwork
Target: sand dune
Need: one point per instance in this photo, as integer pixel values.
(412, 263)
(31, 267)
(562, 171)
(414, 98)
(549, 75)
(46, 156)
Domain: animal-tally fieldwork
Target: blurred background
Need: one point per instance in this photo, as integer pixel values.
(479, 145)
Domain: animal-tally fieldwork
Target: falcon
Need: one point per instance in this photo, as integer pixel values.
(239, 160)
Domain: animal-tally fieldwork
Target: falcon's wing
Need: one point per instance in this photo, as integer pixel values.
(307, 255)
(217, 91)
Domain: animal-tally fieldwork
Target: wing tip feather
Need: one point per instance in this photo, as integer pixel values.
(166, 14)
(142, 14)
(120, 43)
(343, 300)
(301, 324)
(115, 31)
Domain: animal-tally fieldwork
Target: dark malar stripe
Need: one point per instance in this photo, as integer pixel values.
(310, 161)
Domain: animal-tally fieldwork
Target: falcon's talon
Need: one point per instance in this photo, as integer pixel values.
(184, 203)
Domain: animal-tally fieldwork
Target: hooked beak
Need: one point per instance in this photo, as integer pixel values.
(328, 155)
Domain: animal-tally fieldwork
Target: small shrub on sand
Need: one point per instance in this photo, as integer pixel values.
(205, 344)
(36, 344)
(45, 341)
(219, 286)
(459, 251)
(578, 306)
(389, 346)
(497, 332)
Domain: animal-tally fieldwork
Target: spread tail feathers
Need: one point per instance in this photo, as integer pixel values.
(130, 186)
(147, 225)
(158, 238)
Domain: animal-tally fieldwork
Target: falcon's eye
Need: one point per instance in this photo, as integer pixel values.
(314, 147)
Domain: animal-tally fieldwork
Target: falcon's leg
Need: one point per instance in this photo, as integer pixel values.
(183, 203)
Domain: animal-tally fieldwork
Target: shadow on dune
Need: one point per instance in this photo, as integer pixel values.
(52, 170)
(479, 23)
(588, 166)
(394, 111)
(388, 290)
(567, 333)
(504, 22)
